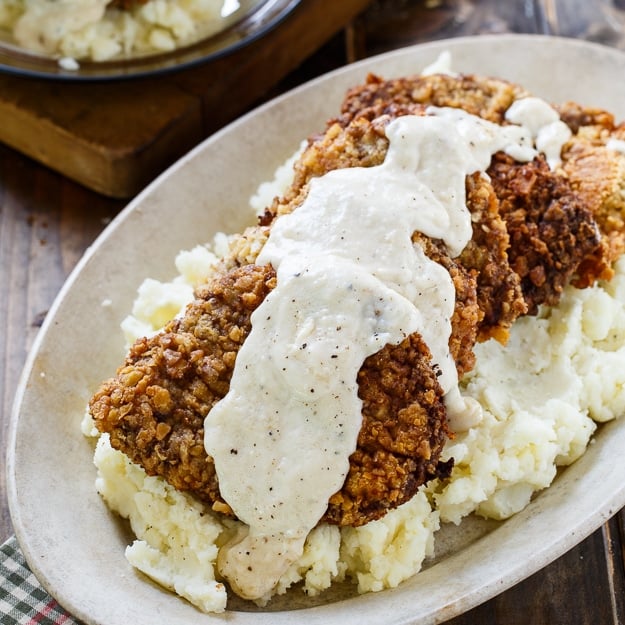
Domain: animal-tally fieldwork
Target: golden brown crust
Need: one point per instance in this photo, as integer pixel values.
(499, 294)
(467, 314)
(154, 408)
(576, 117)
(402, 435)
(597, 176)
(488, 98)
(551, 230)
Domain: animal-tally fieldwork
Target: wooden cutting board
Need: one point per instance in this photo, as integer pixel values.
(114, 137)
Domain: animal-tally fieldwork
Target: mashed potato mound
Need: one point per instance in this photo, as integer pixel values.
(178, 538)
(543, 394)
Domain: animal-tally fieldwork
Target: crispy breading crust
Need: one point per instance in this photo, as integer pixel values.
(154, 408)
(588, 194)
(550, 230)
(499, 294)
(402, 434)
(363, 143)
(597, 176)
(488, 98)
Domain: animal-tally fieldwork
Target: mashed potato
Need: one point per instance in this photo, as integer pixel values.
(89, 29)
(542, 394)
(178, 538)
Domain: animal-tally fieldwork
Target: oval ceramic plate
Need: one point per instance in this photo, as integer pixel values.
(76, 547)
(253, 19)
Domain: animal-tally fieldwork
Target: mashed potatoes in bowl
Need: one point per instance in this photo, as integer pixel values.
(110, 30)
(556, 518)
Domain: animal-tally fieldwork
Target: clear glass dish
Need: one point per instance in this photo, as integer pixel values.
(252, 20)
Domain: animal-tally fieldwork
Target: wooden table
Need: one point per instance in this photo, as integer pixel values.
(47, 221)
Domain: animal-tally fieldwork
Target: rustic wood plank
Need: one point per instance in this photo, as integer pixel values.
(112, 138)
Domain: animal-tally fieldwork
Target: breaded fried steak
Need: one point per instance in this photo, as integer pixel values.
(535, 229)
(154, 408)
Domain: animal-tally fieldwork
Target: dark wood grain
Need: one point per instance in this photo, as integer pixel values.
(47, 221)
(575, 589)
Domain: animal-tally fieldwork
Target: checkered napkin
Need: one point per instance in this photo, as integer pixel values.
(22, 599)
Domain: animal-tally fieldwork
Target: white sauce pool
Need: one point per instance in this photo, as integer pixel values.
(349, 281)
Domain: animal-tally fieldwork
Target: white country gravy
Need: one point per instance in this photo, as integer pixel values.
(349, 281)
(548, 131)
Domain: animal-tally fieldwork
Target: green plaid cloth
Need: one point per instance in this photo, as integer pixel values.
(22, 599)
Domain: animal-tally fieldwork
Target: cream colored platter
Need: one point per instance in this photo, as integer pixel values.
(72, 542)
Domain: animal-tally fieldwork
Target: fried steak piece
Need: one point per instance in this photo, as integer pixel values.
(363, 143)
(401, 438)
(532, 232)
(597, 175)
(154, 408)
(488, 98)
(562, 225)
(499, 294)
(404, 420)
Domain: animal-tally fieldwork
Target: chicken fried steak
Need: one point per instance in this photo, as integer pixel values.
(154, 408)
(568, 224)
(363, 143)
(534, 230)
(596, 173)
(551, 230)
(591, 178)
(488, 98)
